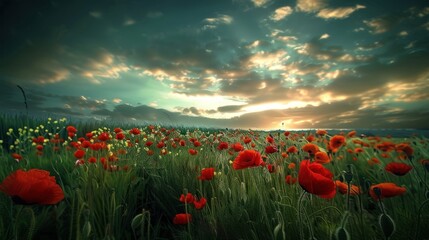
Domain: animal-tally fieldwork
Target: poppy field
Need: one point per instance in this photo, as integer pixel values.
(86, 180)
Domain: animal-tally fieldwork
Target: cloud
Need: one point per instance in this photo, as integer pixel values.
(324, 36)
(260, 3)
(310, 5)
(281, 13)
(382, 24)
(221, 19)
(375, 75)
(229, 108)
(338, 13)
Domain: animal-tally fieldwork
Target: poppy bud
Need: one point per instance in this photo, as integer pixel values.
(387, 225)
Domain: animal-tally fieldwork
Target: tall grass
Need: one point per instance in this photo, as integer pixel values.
(135, 195)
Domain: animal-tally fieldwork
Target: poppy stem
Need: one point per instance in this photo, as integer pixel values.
(301, 228)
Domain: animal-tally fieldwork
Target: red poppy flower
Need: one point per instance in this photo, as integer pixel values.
(351, 133)
(117, 130)
(271, 168)
(207, 174)
(222, 146)
(79, 153)
(292, 149)
(310, 148)
(103, 136)
(237, 147)
(386, 190)
(247, 140)
(310, 138)
(39, 147)
(404, 147)
(321, 132)
(399, 169)
(270, 149)
(290, 180)
(71, 129)
(16, 156)
(182, 218)
(193, 151)
(322, 158)
(316, 179)
(34, 186)
(160, 145)
(200, 203)
(196, 143)
(189, 198)
(385, 146)
(247, 158)
(135, 131)
(120, 136)
(343, 187)
(270, 139)
(337, 141)
(286, 133)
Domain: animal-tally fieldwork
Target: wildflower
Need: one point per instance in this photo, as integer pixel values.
(386, 190)
(399, 169)
(160, 144)
(34, 186)
(270, 139)
(270, 149)
(206, 174)
(337, 141)
(385, 146)
(290, 180)
(16, 156)
(193, 151)
(343, 187)
(92, 160)
(404, 147)
(103, 137)
(316, 179)
(373, 161)
(247, 139)
(310, 148)
(200, 203)
(247, 158)
(271, 168)
(237, 147)
(189, 198)
(351, 134)
(222, 146)
(120, 136)
(196, 143)
(310, 138)
(79, 153)
(148, 143)
(291, 165)
(321, 132)
(292, 149)
(135, 131)
(322, 157)
(182, 218)
(71, 129)
(39, 147)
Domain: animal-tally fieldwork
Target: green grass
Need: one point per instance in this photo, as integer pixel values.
(108, 202)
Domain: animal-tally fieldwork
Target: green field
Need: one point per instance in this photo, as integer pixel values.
(126, 182)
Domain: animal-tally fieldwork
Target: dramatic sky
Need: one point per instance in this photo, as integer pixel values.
(260, 64)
